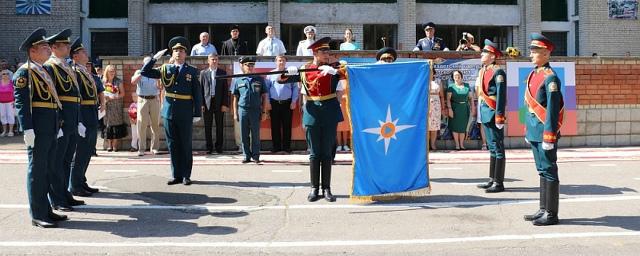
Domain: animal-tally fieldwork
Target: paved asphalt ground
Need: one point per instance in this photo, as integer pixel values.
(249, 209)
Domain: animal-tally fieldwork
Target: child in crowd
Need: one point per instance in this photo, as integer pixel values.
(133, 119)
(7, 110)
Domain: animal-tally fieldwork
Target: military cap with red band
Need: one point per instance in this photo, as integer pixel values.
(492, 48)
(538, 41)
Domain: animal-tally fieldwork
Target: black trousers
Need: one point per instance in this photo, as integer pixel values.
(281, 125)
(209, 115)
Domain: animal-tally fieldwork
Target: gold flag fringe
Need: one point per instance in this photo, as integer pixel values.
(391, 196)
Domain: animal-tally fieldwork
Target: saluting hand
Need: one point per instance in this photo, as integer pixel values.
(159, 54)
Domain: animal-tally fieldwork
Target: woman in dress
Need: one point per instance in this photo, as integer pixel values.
(349, 41)
(436, 98)
(114, 118)
(461, 101)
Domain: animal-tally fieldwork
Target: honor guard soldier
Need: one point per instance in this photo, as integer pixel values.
(64, 79)
(491, 86)
(249, 101)
(321, 113)
(543, 98)
(37, 107)
(181, 108)
(89, 92)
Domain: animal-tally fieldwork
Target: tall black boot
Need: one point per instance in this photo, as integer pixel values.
(550, 216)
(543, 202)
(492, 174)
(497, 185)
(326, 181)
(314, 174)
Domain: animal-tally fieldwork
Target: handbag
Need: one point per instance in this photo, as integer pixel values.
(445, 132)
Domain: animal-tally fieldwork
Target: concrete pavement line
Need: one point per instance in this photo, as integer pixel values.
(446, 168)
(286, 171)
(602, 165)
(211, 208)
(288, 244)
(124, 171)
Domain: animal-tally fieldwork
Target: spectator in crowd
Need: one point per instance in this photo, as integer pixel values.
(234, 46)
(133, 121)
(98, 67)
(215, 93)
(310, 33)
(249, 101)
(283, 98)
(148, 91)
(270, 45)
(430, 42)
(343, 133)
(203, 48)
(114, 119)
(4, 65)
(467, 43)
(349, 41)
(436, 108)
(7, 111)
(460, 100)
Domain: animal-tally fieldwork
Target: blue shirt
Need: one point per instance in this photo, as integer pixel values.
(278, 91)
(146, 86)
(249, 91)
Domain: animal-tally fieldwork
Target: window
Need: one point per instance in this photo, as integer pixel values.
(112, 43)
(505, 2)
(554, 10)
(559, 39)
(108, 9)
(250, 34)
(377, 36)
(451, 34)
(291, 35)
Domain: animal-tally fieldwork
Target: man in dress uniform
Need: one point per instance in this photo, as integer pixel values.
(321, 113)
(492, 91)
(543, 97)
(64, 79)
(430, 42)
(249, 101)
(181, 108)
(89, 92)
(303, 46)
(37, 107)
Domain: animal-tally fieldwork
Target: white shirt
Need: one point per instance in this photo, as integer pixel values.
(199, 50)
(302, 48)
(271, 47)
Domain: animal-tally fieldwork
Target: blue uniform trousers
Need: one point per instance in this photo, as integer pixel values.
(84, 151)
(545, 161)
(495, 139)
(41, 162)
(179, 136)
(58, 193)
(321, 140)
(250, 132)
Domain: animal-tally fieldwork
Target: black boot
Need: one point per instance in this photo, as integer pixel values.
(314, 175)
(550, 216)
(497, 185)
(492, 174)
(327, 195)
(543, 201)
(326, 181)
(314, 195)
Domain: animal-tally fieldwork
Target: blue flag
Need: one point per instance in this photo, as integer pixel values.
(388, 108)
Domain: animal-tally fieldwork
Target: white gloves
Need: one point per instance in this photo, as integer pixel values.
(60, 133)
(82, 130)
(292, 71)
(547, 146)
(500, 126)
(196, 119)
(29, 138)
(526, 140)
(159, 54)
(327, 70)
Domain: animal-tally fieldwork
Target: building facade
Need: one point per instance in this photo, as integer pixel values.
(137, 27)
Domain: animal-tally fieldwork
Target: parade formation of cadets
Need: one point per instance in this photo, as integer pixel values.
(56, 106)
